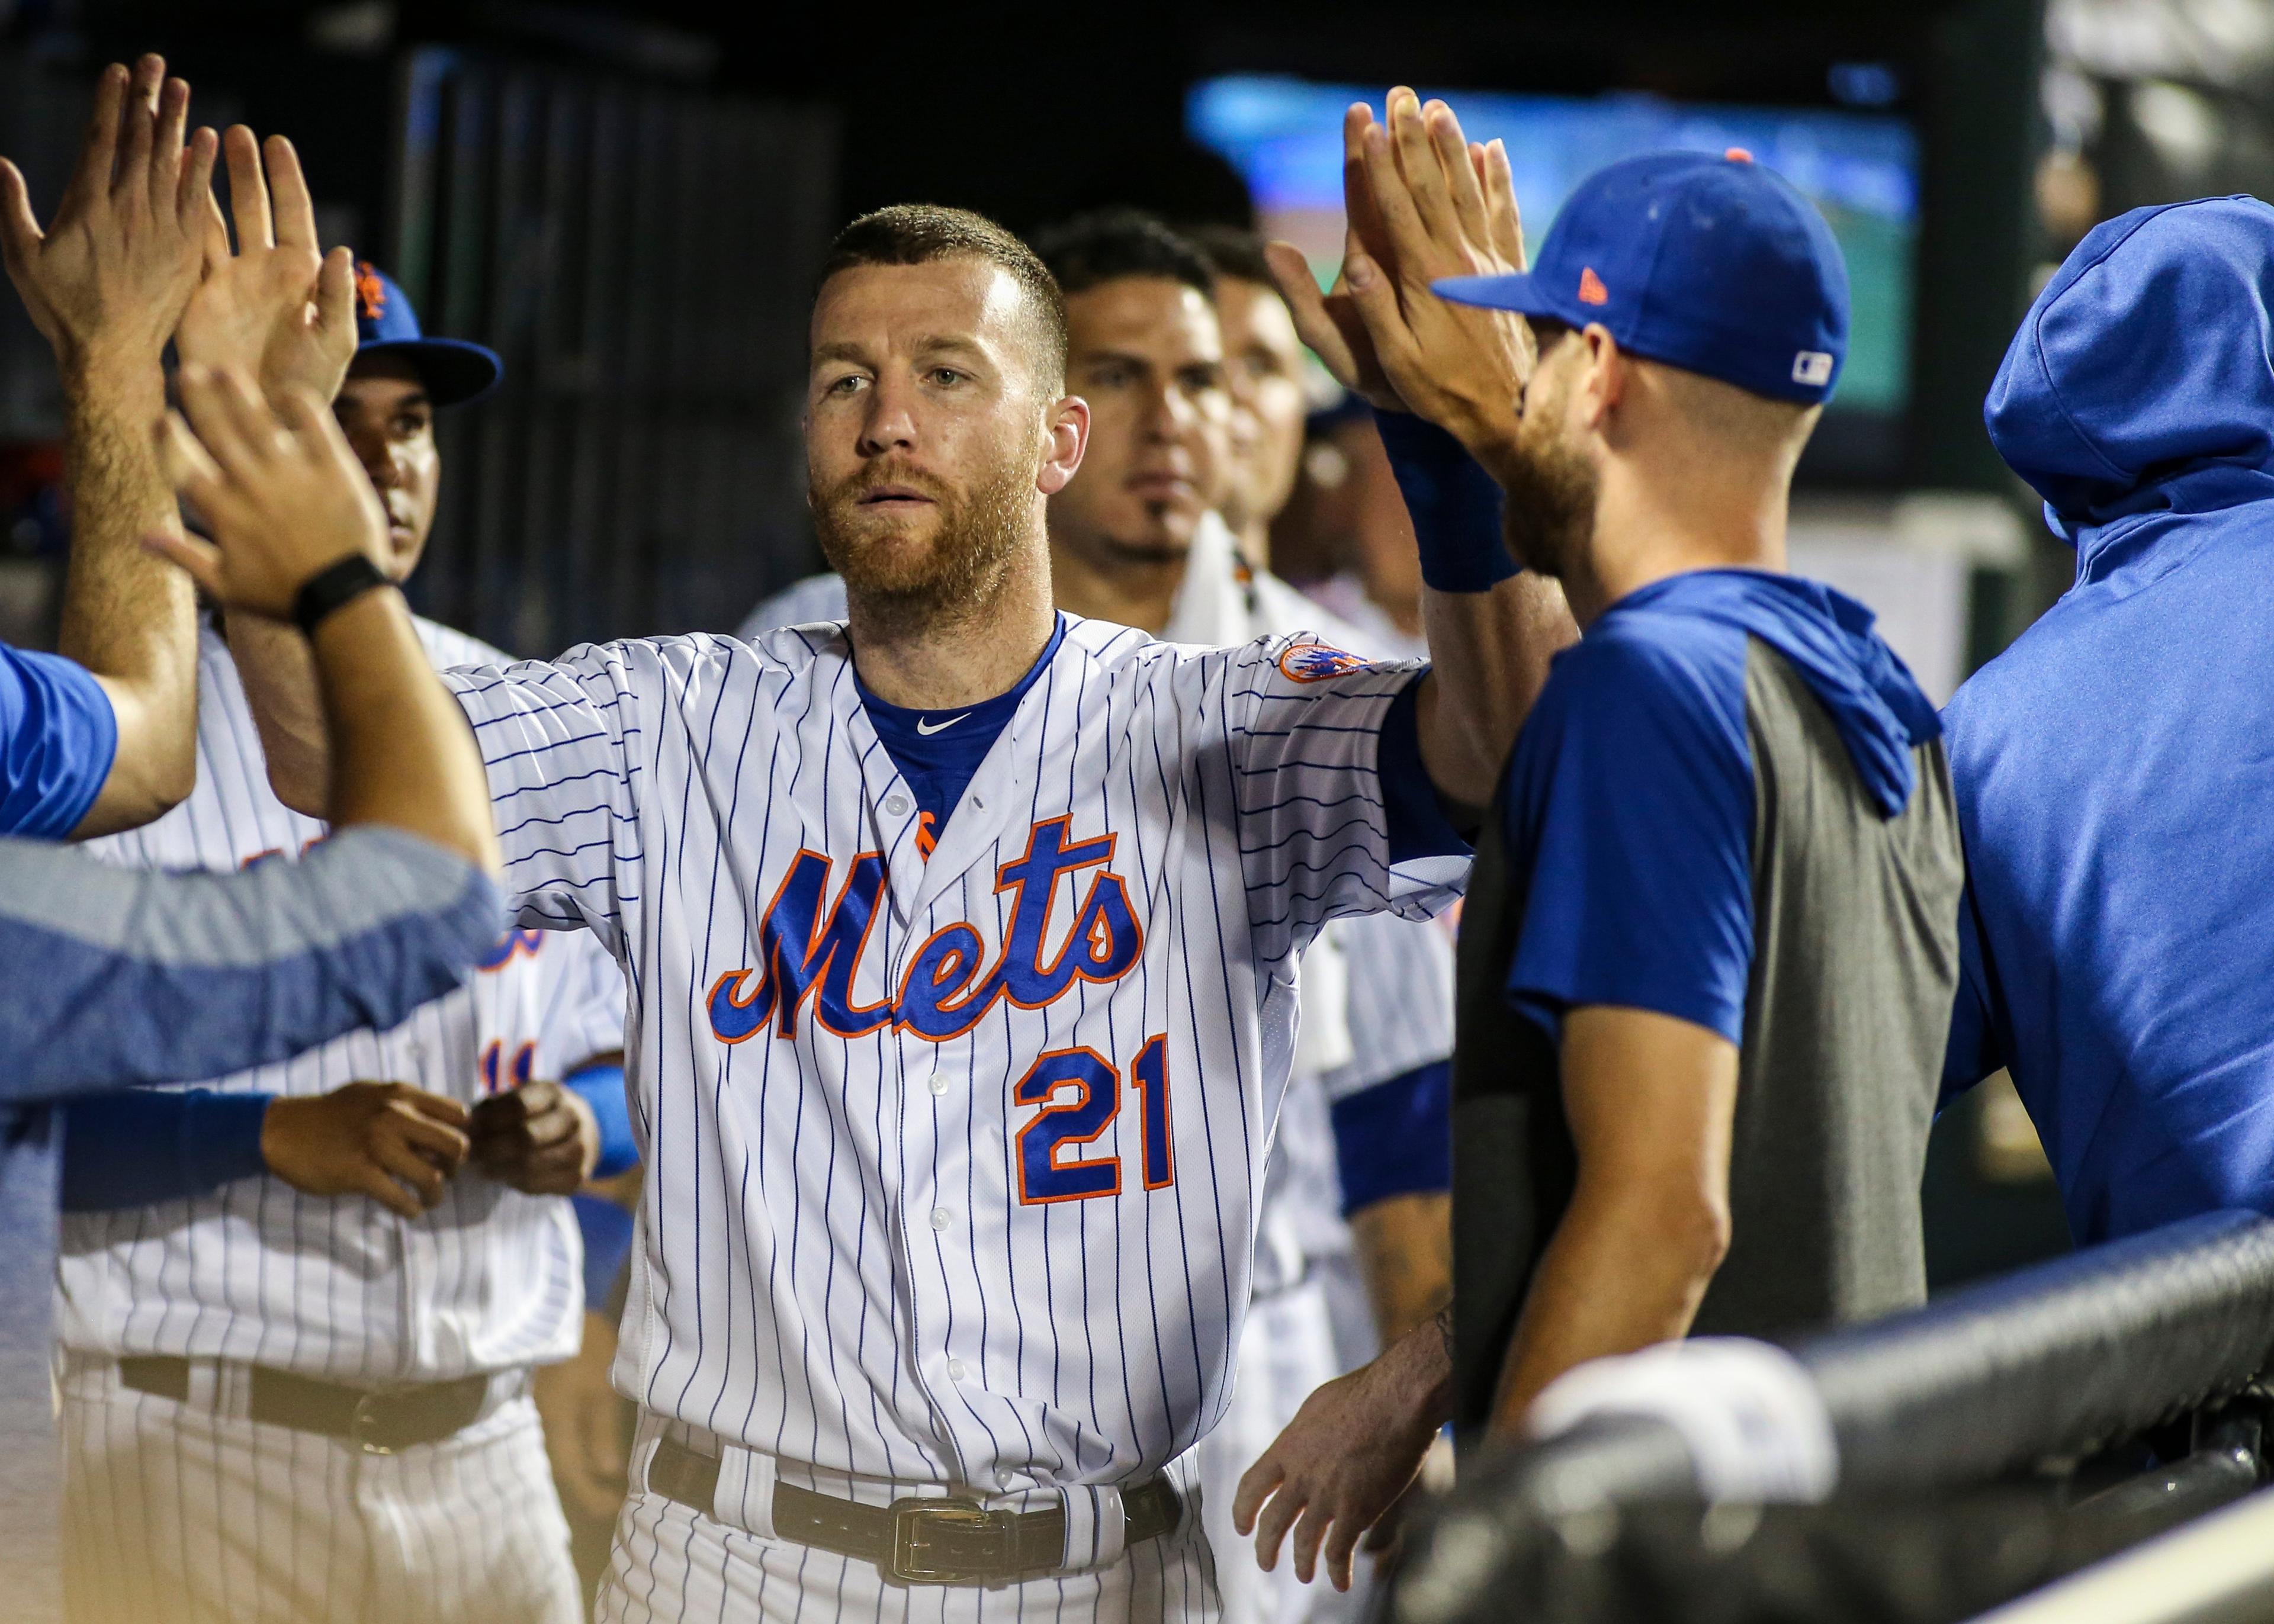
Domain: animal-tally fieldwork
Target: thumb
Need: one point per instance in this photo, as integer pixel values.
(19, 231)
(1314, 325)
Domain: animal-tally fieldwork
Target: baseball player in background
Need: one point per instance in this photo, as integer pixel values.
(961, 947)
(281, 1407)
(1185, 424)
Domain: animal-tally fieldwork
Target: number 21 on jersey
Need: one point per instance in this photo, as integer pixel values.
(1079, 1093)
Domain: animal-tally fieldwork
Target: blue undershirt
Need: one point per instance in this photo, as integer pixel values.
(142, 1145)
(939, 751)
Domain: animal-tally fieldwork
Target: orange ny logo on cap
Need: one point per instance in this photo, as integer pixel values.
(1591, 290)
(371, 293)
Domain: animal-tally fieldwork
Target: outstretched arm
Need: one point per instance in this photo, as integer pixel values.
(1423, 203)
(286, 314)
(290, 503)
(106, 282)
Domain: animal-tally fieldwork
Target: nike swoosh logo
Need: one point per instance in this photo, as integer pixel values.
(928, 729)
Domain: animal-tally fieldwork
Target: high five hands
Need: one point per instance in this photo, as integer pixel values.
(107, 282)
(1422, 202)
(275, 307)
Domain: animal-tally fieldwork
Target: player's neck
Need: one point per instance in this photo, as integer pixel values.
(947, 661)
(1646, 529)
(1108, 584)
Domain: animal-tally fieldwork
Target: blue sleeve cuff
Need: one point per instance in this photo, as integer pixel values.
(142, 1146)
(602, 1089)
(608, 1230)
(1415, 819)
(58, 738)
(1454, 504)
(1396, 1138)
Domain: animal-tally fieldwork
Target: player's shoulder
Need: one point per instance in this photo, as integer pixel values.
(1642, 682)
(801, 603)
(447, 646)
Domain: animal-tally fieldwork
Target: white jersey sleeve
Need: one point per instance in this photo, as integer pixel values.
(1399, 987)
(581, 1010)
(1304, 726)
(562, 741)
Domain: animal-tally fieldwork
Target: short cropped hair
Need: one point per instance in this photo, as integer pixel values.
(925, 233)
(1109, 244)
(1234, 251)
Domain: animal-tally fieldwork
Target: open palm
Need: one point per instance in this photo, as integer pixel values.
(275, 307)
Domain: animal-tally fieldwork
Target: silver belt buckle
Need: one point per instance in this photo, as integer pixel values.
(913, 1561)
(363, 1420)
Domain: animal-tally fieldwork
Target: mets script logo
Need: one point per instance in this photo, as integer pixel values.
(1315, 662)
(807, 953)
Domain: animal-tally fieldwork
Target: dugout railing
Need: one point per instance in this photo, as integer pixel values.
(1997, 1440)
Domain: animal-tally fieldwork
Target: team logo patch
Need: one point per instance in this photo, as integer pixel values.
(1315, 662)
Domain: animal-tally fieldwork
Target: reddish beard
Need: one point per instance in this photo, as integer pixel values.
(940, 561)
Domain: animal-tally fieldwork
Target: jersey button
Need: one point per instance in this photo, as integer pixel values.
(941, 1217)
(939, 1083)
(955, 1370)
(897, 805)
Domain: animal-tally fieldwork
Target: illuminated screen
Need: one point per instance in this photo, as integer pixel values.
(1285, 136)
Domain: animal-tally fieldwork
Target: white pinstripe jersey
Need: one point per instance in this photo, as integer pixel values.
(1377, 990)
(952, 1165)
(339, 1287)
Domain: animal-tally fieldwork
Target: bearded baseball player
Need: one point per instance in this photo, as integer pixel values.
(1185, 423)
(286, 1406)
(961, 943)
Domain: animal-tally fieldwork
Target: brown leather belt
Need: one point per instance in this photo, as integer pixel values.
(376, 1420)
(932, 1541)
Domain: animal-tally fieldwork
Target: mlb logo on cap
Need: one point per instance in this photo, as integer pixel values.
(1708, 262)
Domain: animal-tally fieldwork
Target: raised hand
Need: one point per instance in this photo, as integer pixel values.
(541, 1138)
(1329, 323)
(275, 308)
(284, 494)
(397, 1144)
(1441, 207)
(108, 279)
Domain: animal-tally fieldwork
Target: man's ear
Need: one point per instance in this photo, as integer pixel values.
(1066, 432)
(1608, 373)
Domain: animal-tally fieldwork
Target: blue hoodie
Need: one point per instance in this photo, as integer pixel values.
(2114, 768)
(1629, 801)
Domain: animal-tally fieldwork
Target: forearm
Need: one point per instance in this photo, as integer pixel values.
(128, 615)
(1488, 654)
(403, 753)
(278, 669)
(1405, 1254)
(1621, 1273)
(142, 1146)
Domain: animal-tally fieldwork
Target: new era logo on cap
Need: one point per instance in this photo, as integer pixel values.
(1591, 290)
(1812, 367)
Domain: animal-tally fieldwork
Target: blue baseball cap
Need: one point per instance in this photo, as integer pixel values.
(1711, 264)
(456, 371)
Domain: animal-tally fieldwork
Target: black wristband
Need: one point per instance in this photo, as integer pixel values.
(333, 586)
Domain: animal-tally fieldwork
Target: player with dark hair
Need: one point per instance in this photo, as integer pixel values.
(122, 979)
(1263, 369)
(330, 1278)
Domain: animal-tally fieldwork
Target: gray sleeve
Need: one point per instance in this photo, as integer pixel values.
(118, 977)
